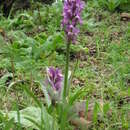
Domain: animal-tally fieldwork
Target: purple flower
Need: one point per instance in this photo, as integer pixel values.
(54, 78)
(71, 17)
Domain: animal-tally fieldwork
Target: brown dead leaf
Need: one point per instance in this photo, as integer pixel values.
(79, 82)
(80, 122)
(80, 109)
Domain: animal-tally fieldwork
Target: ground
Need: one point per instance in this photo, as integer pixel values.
(99, 61)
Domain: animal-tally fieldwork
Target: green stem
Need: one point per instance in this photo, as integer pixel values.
(66, 72)
(13, 68)
(63, 113)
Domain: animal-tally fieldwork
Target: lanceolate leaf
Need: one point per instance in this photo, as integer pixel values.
(47, 97)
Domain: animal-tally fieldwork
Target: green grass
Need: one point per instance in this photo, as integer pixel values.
(28, 45)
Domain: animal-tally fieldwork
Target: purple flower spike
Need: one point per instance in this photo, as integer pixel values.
(54, 78)
(71, 17)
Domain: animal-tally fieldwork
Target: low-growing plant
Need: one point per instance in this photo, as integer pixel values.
(112, 5)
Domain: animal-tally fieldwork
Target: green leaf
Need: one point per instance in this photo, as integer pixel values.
(47, 97)
(30, 117)
(33, 122)
(9, 124)
(4, 78)
(87, 104)
(106, 108)
(76, 95)
(95, 112)
(32, 96)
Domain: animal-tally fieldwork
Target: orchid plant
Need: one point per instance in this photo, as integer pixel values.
(54, 81)
(71, 18)
(58, 85)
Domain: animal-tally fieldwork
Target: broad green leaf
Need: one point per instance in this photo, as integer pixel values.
(30, 117)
